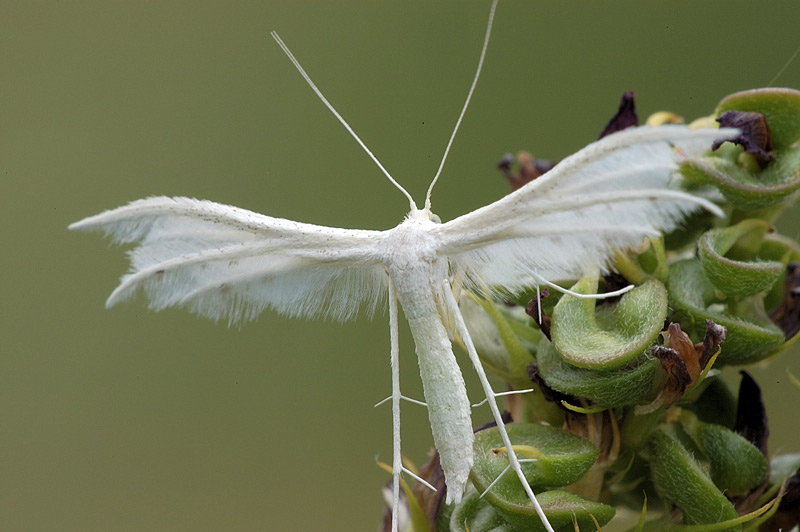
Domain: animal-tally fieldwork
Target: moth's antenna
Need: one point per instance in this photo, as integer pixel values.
(330, 107)
(466, 104)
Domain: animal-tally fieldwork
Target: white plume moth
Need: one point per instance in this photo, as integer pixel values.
(224, 262)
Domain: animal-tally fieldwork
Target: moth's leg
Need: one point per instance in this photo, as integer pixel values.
(501, 394)
(397, 458)
(404, 398)
(461, 328)
(604, 295)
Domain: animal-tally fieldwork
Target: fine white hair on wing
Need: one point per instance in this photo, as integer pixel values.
(228, 263)
(629, 146)
(242, 292)
(559, 245)
(608, 196)
(163, 218)
(577, 175)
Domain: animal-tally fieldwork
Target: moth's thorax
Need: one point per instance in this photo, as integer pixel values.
(415, 266)
(412, 243)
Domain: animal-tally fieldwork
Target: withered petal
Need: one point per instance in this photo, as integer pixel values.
(788, 515)
(751, 415)
(755, 137)
(529, 168)
(791, 499)
(678, 376)
(532, 310)
(431, 501)
(625, 116)
(787, 314)
(714, 338)
(678, 340)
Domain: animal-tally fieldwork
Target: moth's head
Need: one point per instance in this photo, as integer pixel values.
(424, 215)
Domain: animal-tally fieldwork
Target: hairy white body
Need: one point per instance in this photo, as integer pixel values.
(416, 270)
(228, 263)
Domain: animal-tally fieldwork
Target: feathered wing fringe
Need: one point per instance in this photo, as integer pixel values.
(228, 263)
(609, 195)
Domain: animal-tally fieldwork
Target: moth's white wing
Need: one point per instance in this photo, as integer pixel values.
(225, 262)
(609, 195)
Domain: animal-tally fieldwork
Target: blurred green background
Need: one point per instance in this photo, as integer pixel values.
(130, 420)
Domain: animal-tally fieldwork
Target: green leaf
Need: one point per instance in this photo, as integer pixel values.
(751, 336)
(561, 458)
(612, 334)
(737, 277)
(750, 192)
(475, 514)
(611, 388)
(563, 509)
(737, 466)
(496, 341)
(681, 480)
(502, 345)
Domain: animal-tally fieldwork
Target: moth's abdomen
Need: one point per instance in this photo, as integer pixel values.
(442, 382)
(448, 405)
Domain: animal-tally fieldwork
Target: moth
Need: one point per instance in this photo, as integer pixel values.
(224, 262)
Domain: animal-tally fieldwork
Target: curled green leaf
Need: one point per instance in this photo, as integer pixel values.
(609, 335)
(736, 465)
(611, 388)
(681, 480)
(561, 458)
(746, 190)
(737, 277)
(751, 335)
(475, 514)
(752, 187)
(564, 510)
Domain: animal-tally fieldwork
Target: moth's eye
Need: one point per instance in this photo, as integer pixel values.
(434, 218)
